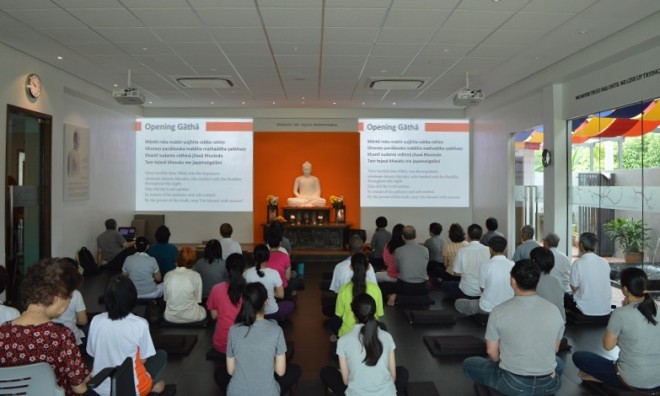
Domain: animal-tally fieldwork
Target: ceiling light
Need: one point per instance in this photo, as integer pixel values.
(396, 84)
(243, 102)
(59, 58)
(205, 82)
(212, 102)
(115, 85)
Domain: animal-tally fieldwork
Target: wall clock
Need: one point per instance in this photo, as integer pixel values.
(33, 86)
(546, 158)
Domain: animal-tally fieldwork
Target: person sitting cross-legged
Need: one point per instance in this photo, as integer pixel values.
(117, 334)
(634, 329)
(143, 270)
(467, 265)
(411, 259)
(493, 280)
(590, 281)
(522, 338)
(367, 364)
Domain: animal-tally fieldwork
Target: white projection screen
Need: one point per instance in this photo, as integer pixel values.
(201, 165)
(414, 163)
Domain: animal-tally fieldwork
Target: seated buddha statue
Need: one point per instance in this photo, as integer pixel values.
(306, 190)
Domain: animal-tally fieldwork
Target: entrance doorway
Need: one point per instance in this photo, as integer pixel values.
(27, 191)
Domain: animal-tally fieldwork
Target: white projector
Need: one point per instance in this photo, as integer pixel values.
(468, 97)
(128, 96)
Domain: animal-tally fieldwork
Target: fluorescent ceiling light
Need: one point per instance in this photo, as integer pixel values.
(205, 82)
(396, 84)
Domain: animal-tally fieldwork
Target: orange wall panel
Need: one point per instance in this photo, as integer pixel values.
(278, 159)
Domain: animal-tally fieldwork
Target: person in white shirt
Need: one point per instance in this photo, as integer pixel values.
(229, 246)
(562, 267)
(76, 312)
(183, 290)
(6, 313)
(343, 274)
(494, 281)
(467, 265)
(117, 334)
(590, 281)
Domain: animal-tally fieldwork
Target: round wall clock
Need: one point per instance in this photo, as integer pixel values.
(546, 158)
(33, 85)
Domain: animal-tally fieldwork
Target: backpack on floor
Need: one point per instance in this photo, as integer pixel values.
(86, 260)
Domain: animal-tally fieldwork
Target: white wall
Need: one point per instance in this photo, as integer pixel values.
(112, 179)
(73, 223)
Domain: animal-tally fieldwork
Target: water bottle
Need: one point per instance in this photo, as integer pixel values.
(301, 270)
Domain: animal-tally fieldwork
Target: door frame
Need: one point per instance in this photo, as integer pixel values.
(46, 138)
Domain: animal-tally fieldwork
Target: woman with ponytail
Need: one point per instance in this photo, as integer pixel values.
(278, 310)
(367, 365)
(358, 285)
(634, 329)
(256, 348)
(224, 302)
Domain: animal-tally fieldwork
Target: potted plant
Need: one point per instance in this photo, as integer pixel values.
(632, 236)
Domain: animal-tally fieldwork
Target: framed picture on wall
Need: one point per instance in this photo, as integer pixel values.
(76, 163)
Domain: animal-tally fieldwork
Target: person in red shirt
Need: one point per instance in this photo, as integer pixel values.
(34, 337)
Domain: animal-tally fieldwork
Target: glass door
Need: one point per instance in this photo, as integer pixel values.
(528, 187)
(27, 187)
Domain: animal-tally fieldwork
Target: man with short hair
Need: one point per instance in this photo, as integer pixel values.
(562, 266)
(590, 280)
(522, 339)
(411, 260)
(112, 248)
(467, 265)
(229, 246)
(528, 243)
(549, 286)
(491, 226)
(494, 281)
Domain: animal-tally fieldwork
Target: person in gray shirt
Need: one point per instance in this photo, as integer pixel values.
(634, 329)
(435, 244)
(411, 259)
(256, 349)
(211, 267)
(491, 226)
(522, 339)
(549, 286)
(528, 243)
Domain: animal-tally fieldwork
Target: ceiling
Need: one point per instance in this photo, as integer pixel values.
(310, 53)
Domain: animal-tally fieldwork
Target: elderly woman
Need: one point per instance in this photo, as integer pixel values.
(634, 329)
(33, 337)
(183, 290)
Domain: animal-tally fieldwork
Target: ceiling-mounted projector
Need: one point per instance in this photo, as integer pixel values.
(128, 95)
(468, 97)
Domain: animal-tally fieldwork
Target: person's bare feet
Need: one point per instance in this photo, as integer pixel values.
(586, 377)
(158, 387)
(391, 300)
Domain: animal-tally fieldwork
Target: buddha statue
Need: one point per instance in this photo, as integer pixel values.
(306, 190)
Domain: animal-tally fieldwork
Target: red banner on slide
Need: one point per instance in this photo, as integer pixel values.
(220, 126)
(447, 127)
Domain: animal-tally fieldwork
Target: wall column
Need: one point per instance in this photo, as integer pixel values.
(555, 176)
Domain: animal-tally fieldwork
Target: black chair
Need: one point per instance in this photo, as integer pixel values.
(121, 380)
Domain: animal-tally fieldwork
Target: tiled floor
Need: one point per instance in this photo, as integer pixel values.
(193, 375)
